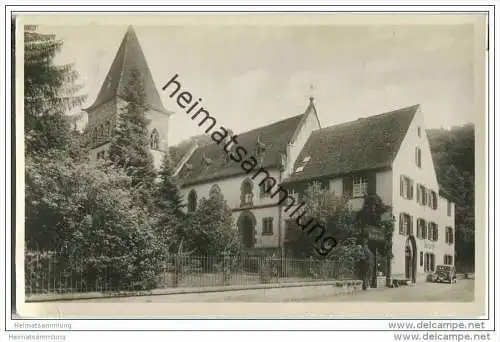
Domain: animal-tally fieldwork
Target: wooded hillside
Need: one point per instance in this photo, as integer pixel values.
(454, 159)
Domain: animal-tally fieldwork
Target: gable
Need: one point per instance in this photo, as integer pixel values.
(405, 161)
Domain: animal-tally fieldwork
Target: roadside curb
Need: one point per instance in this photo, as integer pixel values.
(177, 291)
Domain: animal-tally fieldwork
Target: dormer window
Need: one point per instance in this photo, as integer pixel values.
(299, 169)
(206, 161)
(214, 191)
(155, 139)
(306, 159)
(292, 198)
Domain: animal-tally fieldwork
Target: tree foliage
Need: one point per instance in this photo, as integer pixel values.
(129, 148)
(167, 193)
(87, 213)
(454, 159)
(50, 92)
(209, 230)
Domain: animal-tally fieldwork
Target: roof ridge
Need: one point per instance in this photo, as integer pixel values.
(371, 117)
(122, 68)
(271, 124)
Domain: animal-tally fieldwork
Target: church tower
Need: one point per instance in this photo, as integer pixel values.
(103, 113)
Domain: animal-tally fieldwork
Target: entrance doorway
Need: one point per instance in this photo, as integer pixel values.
(246, 228)
(411, 259)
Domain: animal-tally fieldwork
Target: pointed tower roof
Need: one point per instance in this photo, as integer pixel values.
(128, 57)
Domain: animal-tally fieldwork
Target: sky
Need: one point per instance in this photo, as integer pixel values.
(249, 75)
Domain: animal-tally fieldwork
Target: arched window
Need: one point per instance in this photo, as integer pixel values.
(246, 192)
(155, 139)
(215, 191)
(192, 201)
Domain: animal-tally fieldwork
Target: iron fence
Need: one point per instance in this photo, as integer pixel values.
(50, 272)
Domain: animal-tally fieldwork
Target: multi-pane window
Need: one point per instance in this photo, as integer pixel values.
(448, 259)
(405, 224)
(406, 187)
(432, 199)
(429, 262)
(267, 226)
(422, 194)
(449, 235)
(101, 155)
(432, 231)
(359, 186)
(418, 157)
(421, 229)
(293, 197)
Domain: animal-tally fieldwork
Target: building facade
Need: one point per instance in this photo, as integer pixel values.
(386, 154)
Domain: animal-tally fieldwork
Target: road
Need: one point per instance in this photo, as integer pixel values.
(463, 291)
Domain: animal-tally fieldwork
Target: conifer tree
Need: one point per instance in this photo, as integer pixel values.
(167, 192)
(49, 93)
(129, 149)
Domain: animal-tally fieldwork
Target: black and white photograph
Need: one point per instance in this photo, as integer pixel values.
(328, 160)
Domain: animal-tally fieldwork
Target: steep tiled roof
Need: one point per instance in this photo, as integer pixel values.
(128, 57)
(366, 143)
(274, 137)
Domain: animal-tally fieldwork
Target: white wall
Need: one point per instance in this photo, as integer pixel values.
(295, 147)
(385, 186)
(405, 164)
(231, 190)
(335, 186)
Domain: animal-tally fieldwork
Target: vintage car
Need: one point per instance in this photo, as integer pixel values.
(445, 273)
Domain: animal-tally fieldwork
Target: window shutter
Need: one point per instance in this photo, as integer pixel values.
(401, 224)
(410, 190)
(410, 225)
(372, 183)
(347, 186)
(401, 185)
(418, 193)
